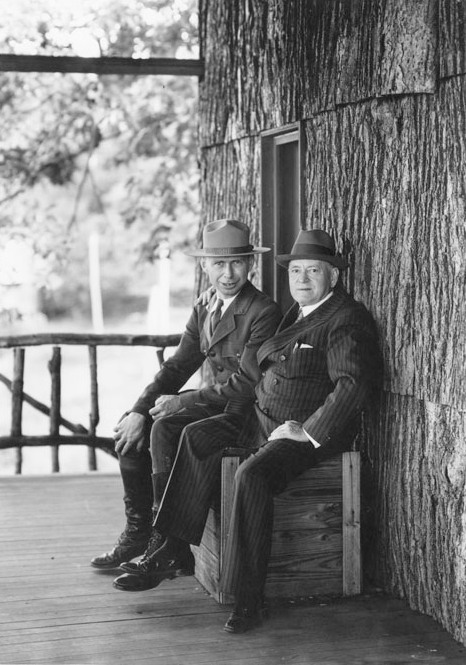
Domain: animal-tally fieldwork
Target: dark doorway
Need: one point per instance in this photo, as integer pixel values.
(281, 155)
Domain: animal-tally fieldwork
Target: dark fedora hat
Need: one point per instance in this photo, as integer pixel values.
(226, 237)
(313, 244)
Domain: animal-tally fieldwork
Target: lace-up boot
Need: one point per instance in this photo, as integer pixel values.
(138, 500)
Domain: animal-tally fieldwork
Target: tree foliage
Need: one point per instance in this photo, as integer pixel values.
(115, 153)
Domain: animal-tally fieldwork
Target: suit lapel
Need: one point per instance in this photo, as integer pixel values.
(288, 331)
(228, 321)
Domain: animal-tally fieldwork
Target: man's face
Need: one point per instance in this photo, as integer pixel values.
(227, 274)
(311, 280)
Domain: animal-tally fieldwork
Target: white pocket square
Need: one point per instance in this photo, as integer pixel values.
(301, 345)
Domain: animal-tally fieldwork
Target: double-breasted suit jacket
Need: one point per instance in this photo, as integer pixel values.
(320, 371)
(231, 353)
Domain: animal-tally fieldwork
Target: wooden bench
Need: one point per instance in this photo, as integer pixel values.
(316, 535)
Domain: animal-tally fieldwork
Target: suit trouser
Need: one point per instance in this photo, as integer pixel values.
(258, 479)
(195, 476)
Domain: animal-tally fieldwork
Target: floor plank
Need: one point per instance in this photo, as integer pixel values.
(56, 609)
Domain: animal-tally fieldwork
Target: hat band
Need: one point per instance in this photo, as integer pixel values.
(302, 248)
(223, 251)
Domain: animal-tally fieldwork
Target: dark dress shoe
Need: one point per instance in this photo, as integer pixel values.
(120, 553)
(185, 570)
(147, 577)
(185, 563)
(243, 619)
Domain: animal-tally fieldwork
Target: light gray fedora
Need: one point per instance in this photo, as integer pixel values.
(226, 237)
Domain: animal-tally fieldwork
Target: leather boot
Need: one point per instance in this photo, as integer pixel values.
(186, 561)
(133, 541)
(154, 568)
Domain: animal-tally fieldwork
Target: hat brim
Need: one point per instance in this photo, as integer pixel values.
(212, 253)
(337, 261)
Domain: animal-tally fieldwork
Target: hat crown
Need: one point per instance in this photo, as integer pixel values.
(226, 238)
(226, 234)
(313, 240)
(314, 244)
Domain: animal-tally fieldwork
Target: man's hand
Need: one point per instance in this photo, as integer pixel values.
(165, 405)
(205, 297)
(290, 429)
(129, 433)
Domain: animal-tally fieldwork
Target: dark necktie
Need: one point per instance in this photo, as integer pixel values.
(216, 315)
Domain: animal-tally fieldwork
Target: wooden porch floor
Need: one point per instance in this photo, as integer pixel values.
(54, 608)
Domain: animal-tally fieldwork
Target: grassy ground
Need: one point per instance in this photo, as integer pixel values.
(122, 374)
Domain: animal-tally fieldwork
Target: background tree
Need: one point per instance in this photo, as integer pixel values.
(114, 154)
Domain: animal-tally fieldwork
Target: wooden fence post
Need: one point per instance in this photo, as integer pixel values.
(17, 403)
(55, 403)
(94, 414)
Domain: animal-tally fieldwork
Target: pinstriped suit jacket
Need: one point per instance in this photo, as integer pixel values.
(231, 353)
(320, 371)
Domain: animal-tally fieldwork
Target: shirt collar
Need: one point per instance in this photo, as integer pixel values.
(226, 303)
(307, 309)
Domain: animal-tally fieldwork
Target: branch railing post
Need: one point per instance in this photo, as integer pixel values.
(17, 388)
(55, 404)
(94, 413)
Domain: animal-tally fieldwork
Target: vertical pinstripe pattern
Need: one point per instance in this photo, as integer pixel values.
(320, 371)
(195, 475)
(258, 479)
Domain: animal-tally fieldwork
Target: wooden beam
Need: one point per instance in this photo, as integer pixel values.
(73, 64)
(103, 442)
(110, 339)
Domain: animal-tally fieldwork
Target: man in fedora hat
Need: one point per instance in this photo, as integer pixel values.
(319, 371)
(226, 336)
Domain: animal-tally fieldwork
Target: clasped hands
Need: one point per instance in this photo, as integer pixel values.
(129, 433)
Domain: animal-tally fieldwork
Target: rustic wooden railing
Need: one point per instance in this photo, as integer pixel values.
(80, 435)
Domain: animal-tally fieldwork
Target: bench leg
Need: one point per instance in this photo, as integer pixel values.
(351, 481)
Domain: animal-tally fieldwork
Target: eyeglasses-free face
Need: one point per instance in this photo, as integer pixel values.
(311, 280)
(227, 275)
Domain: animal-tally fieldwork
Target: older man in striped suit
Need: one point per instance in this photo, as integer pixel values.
(319, 371)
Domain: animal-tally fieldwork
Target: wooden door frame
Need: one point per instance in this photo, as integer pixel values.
(270, 140)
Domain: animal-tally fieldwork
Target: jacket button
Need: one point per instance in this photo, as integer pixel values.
(220, 368)
(266, 411)
(275, 381)
(282, 357)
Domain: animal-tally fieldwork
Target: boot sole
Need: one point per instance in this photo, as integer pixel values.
(160, 578)
(105, 566)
